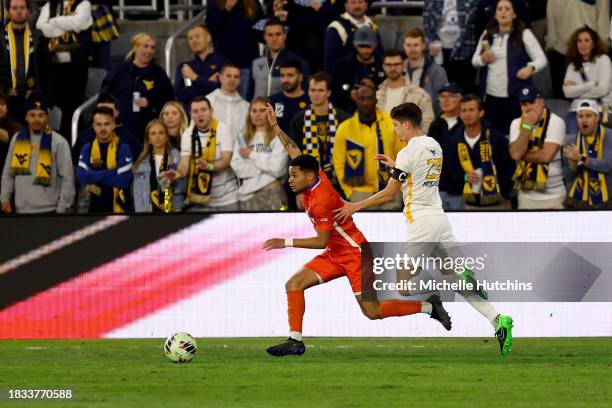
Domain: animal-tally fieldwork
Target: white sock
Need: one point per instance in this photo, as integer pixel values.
(483, 306)
(426, 307)
(295, 335)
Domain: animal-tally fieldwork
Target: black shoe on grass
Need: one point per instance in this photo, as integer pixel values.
(289, 347)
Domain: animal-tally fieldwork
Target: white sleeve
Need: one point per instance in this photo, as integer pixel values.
(226, 139)
(552, 11)
(477, 61)
(535, 52)
(403, 161)
(80, 21)
(274, 163)
(556, 131)
(186, 142)
(243, 168)
(604, 75)
(49, 30)
(514, 129)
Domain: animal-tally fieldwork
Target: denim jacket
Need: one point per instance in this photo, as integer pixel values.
(142, 187)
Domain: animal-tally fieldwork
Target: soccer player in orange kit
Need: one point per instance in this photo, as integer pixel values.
(342, 255)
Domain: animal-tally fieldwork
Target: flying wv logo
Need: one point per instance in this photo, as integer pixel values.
(46, 168)
(22, 157)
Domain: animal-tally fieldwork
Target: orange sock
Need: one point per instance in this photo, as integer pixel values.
(295, 310)
(389, 308)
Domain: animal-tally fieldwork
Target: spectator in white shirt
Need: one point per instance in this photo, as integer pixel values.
(535, 142)
(260, 162)
(563, 17)
(588, 74)
(508, 55)
(229, 107)
(67, 27)
(211, 183)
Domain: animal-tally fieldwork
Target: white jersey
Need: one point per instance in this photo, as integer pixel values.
(420, 165)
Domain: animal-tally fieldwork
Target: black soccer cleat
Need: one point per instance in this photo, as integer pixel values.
(438, 312)
(289, 347)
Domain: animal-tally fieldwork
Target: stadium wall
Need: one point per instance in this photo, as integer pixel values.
(147, 276)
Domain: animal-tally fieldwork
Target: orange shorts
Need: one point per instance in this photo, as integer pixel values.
(333, 264)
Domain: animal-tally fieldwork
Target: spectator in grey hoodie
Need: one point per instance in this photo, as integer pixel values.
(38, 170)
(421, 70)
(228, 106)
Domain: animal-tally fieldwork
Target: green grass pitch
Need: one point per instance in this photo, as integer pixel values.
(334, 372)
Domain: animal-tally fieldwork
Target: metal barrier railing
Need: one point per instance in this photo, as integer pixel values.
(184, 6)
(172, 39)
(122, 8)
(181, 9)
(404, 4)
(76, 116)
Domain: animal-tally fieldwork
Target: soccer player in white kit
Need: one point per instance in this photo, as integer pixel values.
(417, 173)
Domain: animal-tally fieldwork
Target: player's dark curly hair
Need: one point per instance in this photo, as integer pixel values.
(306, 162)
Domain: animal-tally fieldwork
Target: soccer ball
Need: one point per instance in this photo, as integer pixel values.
(180, 347)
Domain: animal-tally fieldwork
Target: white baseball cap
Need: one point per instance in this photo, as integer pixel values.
(590, 105)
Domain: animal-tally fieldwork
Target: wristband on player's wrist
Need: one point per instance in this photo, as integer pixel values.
(211, 166)
(288, 242)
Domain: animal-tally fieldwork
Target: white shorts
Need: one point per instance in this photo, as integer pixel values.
(431, 235)
(431, 228)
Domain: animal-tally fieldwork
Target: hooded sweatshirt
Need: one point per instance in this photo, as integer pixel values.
(231, 110)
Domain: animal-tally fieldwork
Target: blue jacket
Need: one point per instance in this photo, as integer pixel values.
(337, 47)
(501, 158)
(106, 179)
(151, 82)
(516, 59)
(232, 32)
(201, 86)
(142, 185)
(88, 135)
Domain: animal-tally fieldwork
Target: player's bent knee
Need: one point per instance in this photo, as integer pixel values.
(293, 284)
(302, 280)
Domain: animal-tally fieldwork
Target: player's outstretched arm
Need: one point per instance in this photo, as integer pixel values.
(318, 242)
(292, 149)
(383, 196)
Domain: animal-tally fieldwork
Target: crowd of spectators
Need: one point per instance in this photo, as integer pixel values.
(201, 141)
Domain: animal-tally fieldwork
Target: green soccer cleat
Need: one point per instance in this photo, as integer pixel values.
(504, 334)
(469, 277)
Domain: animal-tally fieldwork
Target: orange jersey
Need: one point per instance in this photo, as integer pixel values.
(320, 199)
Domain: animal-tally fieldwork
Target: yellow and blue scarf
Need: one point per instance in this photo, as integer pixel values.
(589, 189)
(200, 180)
(489, 193)
(533, 176)
(312, 141)
(119, 199)
(161, 200)
(104, 28)
(354, 169)
(28, 48)
(67, 41)
(22, 152)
